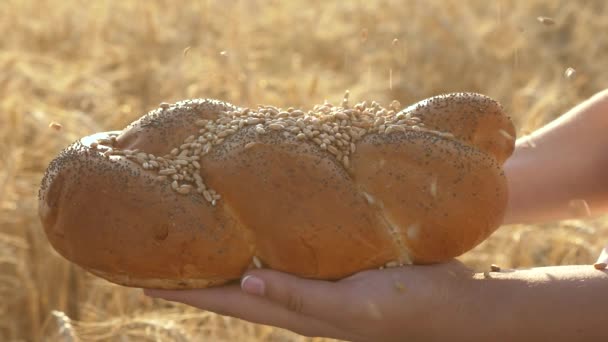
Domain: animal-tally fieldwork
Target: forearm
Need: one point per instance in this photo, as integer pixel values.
(562, 162)
(562, 303)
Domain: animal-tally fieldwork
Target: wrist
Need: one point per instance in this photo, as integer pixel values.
(479, 313)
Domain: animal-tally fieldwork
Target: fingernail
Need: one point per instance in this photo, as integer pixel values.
(253, 285)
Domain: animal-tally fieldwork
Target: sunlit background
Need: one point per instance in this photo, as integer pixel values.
(98, 65)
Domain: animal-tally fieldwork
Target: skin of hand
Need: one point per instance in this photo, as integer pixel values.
(445, 301)
(561, 164)
(376, 305)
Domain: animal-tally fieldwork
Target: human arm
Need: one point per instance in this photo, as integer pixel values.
(420, 303)
(449, 301)
(564, 161)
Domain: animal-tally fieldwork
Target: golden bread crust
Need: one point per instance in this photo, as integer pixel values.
(194, 193)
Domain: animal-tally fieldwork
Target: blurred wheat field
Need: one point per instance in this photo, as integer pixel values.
(98, 65)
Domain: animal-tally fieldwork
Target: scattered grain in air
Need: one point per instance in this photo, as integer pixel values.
(399, 286)
(569, 73)
(494, 268)
(257, 262)
(224, 53)
(546, 21)
(186, 50)
(56, 126)
(275, 127)
(579, 208)
(395, 42)
(363, 35)
(600, 265)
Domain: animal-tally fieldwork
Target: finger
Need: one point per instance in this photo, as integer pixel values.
(232, 301)
(316, 298)
(602, 260)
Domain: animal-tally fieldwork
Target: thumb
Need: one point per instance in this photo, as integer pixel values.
(315, 298)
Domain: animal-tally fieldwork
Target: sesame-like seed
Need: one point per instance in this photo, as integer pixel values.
(260, 130)
(161, 178)
(164, 105)
(207, 195)
(257, 262)
(250, 145)
(103, 141)
(494, 268)
(183, 190)
(94, 145)
(276, 127)
(394, 128)
(174, 185)
(167, 172)
(332, 150)
(341, 116)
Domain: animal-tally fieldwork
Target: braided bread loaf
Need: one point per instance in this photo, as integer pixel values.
(194, 193)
